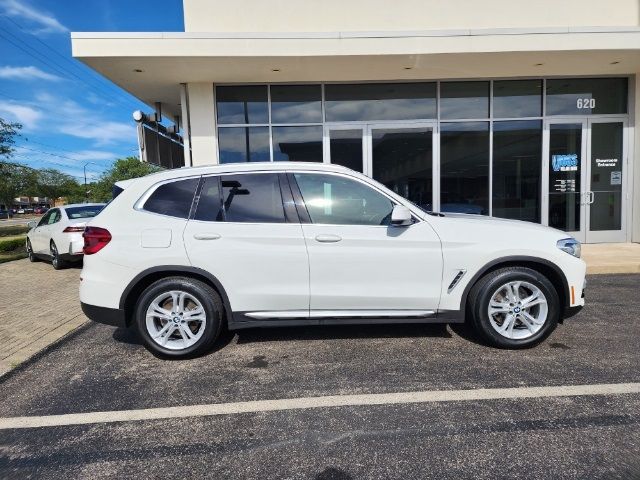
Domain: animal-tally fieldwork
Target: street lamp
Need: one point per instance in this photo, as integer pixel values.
(86, 193)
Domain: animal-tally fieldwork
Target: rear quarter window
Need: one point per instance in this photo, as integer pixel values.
(173, 199)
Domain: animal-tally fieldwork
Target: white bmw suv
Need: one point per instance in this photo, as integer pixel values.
(180, 254)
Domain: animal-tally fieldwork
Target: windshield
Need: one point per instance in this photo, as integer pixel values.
(84, 211)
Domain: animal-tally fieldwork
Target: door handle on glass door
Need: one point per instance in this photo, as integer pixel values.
(328, 238)
(591, 198)
(206, 236)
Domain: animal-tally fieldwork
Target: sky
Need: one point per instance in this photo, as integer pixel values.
(70, 114)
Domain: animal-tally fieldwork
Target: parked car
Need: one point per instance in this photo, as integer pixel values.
(6, 214)
(40, 210)
(21, 211)
(58, 234)
(181, 253)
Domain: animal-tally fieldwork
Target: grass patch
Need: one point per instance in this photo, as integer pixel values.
(12, 230)
(12, 245)
(10, 257)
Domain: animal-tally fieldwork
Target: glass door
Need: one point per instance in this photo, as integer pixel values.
(566, 145)
(402, 158)
(585, 171)
(604, 199)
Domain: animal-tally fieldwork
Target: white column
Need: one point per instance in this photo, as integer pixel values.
(186, 127)
(202, 124)
(634, 162)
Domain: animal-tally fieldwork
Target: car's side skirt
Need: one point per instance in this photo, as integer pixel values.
(348, 317)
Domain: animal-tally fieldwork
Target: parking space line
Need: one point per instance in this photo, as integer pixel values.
(316, 402)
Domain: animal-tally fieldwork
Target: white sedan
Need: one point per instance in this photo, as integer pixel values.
(58, 234)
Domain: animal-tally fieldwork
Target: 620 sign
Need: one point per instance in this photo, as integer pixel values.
(586, 103)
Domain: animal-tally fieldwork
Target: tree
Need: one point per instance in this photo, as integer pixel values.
(122, 169)
(53, 183)
(16, 180)
(8, 134)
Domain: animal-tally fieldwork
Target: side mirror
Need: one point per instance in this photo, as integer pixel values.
(401, 216)
(32, 224)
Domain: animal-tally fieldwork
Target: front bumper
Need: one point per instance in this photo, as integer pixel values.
(108, 316)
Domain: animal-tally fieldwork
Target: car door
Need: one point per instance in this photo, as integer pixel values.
(40, 237)
(360, 265)
(246, 233)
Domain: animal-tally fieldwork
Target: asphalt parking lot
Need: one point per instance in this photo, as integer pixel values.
(102, 369)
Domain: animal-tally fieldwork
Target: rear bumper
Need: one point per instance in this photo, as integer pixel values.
(108, 316)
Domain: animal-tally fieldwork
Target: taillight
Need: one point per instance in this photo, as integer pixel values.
(95, 239)
(73, 229)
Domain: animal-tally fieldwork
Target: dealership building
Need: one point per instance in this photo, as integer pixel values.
(510, 108)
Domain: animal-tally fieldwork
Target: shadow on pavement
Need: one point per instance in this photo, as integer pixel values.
(341, 332)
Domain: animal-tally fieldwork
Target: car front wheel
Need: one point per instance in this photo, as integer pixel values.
(179, 317)
(514, 307)
(32, 256)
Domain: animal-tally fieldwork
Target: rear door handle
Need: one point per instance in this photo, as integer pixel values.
(206, 236)
(328, 238)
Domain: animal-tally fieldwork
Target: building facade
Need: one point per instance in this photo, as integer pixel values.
(515, 109)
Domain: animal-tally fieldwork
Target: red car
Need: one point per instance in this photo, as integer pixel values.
(40, 210)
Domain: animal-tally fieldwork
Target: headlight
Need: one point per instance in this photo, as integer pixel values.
(569, 245)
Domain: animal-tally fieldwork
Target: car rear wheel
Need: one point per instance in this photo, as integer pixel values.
(56, 261)
(179, 317)
(514, 307)
(32, 256)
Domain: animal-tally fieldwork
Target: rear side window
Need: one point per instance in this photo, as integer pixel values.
(252, 198)
(173, 199)
(83, 212)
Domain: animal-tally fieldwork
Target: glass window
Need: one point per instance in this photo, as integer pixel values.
(380, 101)
(517, 169)
(464, 100)
(565, 150)
(253, 197)
(517, 98)
(210, 201)
(402, 161)
(464, 167)
(55, 217)
(243, 144)
(173, 199)
(586, 96)
(345, 147)
(83, 212)
(242, 104)
(332, 199)
(297, 144)
(296, 104)
(45, 219)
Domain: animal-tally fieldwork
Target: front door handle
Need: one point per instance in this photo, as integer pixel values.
(328, 238)
(206, 236)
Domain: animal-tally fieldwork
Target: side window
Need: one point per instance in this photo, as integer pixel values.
(55, 217)
(337, 200)
(210, 201)
(45, 220)
(252, 198)
(173, 199)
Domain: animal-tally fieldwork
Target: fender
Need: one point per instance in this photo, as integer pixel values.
(176, 269)
(515, 260)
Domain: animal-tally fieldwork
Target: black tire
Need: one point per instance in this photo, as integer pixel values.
(56, 261)
(205, 294)
(32, 256)
(484, 289)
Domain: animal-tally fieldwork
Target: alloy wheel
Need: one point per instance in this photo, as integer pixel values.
(175, 320)
(518, 310)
